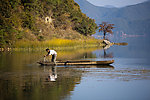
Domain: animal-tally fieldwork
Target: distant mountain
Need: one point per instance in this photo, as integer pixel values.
(134, 19)
(109, 6)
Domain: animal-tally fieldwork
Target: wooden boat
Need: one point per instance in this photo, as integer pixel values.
(77, 62)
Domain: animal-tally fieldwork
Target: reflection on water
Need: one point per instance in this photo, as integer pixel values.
(109, 55)
(91, 66)
(32, 84)
(52, 74)
(21, 78)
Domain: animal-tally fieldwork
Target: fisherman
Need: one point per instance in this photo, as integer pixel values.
(53, 53)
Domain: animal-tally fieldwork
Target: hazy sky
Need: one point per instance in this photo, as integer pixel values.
(116, 3)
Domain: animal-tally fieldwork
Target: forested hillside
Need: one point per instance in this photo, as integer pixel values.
(41, 20)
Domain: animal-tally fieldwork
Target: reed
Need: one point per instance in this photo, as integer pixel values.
(57, 43)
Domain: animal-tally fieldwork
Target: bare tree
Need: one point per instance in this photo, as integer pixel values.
(106, 28)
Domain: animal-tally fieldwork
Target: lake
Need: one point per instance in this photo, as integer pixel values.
(21, 78)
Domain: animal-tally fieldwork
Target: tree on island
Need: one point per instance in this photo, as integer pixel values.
(106, 28)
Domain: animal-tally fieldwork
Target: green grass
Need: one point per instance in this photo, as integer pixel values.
(57, 43)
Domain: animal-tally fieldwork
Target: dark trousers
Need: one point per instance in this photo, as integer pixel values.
(54, 58)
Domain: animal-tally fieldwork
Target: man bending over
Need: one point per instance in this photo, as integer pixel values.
(53, 53)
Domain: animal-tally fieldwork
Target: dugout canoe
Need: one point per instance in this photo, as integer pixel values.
(77, 62)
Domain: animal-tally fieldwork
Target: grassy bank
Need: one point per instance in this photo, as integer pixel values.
(55, 44)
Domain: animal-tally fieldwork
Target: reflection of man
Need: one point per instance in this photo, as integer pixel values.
(52, 74)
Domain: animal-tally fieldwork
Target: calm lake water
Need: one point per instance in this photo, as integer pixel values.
(21, 78)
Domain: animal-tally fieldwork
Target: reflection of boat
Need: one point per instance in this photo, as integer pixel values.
(77, 62)
(105, 66)
(91, 66)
